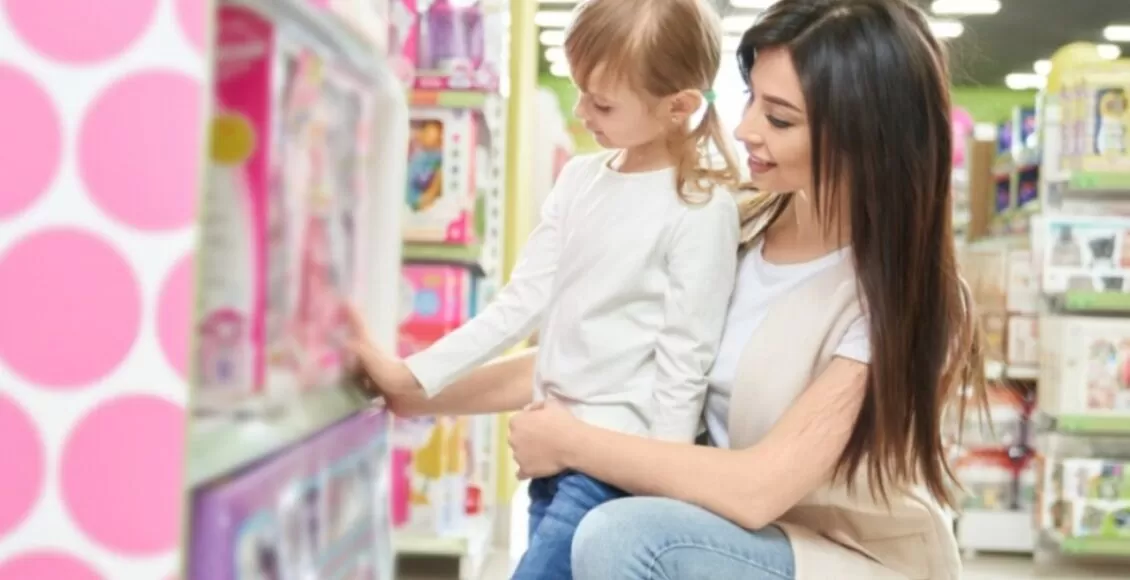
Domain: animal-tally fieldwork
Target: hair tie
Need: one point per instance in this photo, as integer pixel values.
(708, 94)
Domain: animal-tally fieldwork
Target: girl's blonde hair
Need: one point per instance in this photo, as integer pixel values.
(660, 47)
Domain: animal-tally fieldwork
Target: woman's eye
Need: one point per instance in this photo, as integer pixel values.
(778, 123)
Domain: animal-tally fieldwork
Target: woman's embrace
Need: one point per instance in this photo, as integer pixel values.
(848, 334)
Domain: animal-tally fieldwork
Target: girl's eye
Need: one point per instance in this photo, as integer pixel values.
(602, 109)
(778, 123)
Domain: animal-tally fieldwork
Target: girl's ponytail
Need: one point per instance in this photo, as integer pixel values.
(699, 172)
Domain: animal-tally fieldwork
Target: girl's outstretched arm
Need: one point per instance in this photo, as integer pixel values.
(503, 385)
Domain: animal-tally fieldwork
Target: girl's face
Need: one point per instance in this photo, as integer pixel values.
(774, 127)
(618, 117)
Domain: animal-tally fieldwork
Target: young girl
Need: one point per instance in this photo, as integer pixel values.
(630, 270)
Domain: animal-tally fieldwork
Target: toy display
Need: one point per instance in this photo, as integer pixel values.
(429, 483)
(440, 194)
(1091, 498)
(437, 299)
(1085, 365)
(450, 44)
(1096, 105)
(279, 226)
(308, 513)
(1086, 253)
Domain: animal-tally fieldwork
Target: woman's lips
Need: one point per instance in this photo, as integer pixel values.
(759, 166)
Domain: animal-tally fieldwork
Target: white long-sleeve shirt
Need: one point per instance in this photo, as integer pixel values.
(630, 286)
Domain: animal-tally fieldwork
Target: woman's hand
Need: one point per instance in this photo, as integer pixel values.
(382, 373)
(538, 437)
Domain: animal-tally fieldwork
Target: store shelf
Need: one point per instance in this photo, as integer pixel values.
(996, 371)
(472, 547)
(1091, 301)
(224, 445)
(469, 255)
(1099, 182)
(1086, 424)
(996, 531)
(1089, 546)
(448, 99)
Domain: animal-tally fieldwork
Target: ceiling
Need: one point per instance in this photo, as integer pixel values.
(1011, 40)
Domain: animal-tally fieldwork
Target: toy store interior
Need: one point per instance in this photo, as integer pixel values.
(394, 154)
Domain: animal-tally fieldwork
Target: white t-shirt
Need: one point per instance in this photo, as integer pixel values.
(630, 285)
(759, 284)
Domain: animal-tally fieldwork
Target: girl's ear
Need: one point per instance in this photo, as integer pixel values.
(684, 104)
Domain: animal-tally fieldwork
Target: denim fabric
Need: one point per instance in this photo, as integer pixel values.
(646, 538)
(557, 505)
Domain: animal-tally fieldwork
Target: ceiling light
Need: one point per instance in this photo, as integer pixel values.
(1025, 81)
(559, 69)
(552, 37)
(738, 24)
(1109, 51)
(947, 28)
(730, 43)
(553, 18)
(1043, 67)
(752, 4)
(965, 7)
(1117, 33)
(555, 54)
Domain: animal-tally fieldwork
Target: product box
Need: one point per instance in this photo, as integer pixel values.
(1022, 283)
(988, 477)
(309, 512)
(1088, 254)
(428, 482)
(1085, 366)
(280, 220)
(440, 196)
(460, 44)
(1023, 341)
(436, 299)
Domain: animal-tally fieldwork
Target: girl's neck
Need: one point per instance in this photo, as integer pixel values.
(642, 158)
(798, 235)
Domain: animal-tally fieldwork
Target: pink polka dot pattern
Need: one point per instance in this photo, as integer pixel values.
(121, 474)
(22, 450)
(30, 134)
(191, 15)
(174, 312)
(71, 308)
(139, 150)
(80, 32)
(47, 565)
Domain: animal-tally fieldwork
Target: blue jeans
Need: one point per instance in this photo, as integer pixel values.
(557, 505)
(646, 538)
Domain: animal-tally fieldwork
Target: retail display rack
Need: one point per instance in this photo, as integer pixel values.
(1050, 275)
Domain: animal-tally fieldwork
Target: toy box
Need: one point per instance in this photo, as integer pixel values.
(440, 195)
(1092, 498)
(1085, 254)
(1097, 101)
(429, 485)
(1022, 284)
(1023, 341)
(437, 299)
(988, 478)
(280, 220)
(310, 512)
(1085, 365)
(451, 44)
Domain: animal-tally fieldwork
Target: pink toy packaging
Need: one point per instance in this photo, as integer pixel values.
(279, 217)
(437, 299)
(440, 195)
(449, 44)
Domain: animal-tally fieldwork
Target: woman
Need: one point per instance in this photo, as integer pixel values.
(848, 334)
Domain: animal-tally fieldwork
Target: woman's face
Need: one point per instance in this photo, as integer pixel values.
(774, 127)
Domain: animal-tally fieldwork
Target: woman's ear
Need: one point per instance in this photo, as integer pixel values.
(684, 104)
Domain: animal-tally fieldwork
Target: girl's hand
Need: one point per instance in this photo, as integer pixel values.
(538, 436)
(384, 374)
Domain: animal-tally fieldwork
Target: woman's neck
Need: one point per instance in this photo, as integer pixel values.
(646, 157)
(798, 235)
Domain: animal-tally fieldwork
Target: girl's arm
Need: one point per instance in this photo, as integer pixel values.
(751, 487)
(506, 384)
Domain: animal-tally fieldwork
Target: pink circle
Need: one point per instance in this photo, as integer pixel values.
(174, 309)
(139, 150)
(46, 565)
(121, 474)
(80, 32)
(190, 15)
(22, 451)
(71, 308)
(31, 134)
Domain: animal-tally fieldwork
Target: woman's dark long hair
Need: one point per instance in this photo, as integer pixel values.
(876, 87)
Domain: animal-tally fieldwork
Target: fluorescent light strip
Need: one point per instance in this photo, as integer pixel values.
(555, 54)
(965, 7)
(752, 4)
(947, 28)
(552, 37)
(1025, 81)
(738, 23)
(553, 18)
(1042, 67)
(1109, 51)
(559, 69)
(1117, 33)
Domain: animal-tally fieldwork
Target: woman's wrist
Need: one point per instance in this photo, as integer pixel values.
(572, 445)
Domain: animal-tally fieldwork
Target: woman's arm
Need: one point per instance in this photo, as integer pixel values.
(505, 384)
(751, 487)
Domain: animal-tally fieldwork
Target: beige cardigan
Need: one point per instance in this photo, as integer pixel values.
(835, 535)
